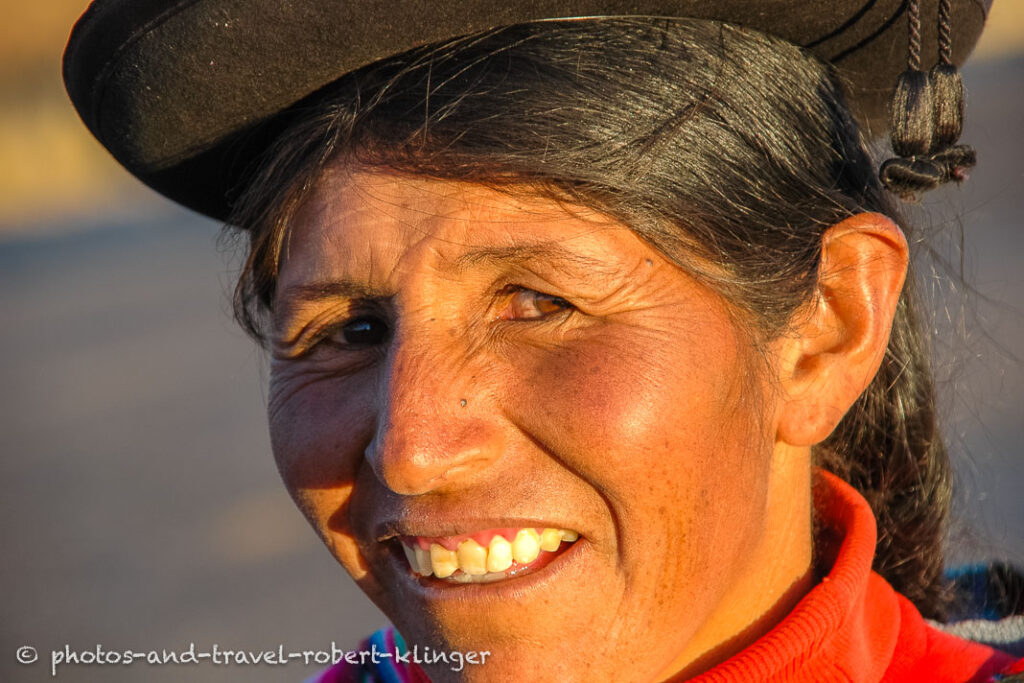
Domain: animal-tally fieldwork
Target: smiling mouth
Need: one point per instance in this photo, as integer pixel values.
(485, 556)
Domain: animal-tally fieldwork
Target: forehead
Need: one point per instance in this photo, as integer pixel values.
(356, 219)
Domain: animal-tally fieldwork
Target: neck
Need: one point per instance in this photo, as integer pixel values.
(779, 571)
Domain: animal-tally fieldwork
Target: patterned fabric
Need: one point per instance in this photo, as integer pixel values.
(989, 606)
(987, 591)
(389, 661)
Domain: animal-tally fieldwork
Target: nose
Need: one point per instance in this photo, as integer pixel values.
(436, 426)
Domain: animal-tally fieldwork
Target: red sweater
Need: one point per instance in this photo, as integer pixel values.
(852, 627)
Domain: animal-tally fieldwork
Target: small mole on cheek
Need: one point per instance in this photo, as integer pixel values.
(463, 403)
(649, 262)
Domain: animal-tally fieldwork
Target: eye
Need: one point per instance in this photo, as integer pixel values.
(365, 330)
(528, 304)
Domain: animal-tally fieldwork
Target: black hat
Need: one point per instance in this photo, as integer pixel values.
(186, 93)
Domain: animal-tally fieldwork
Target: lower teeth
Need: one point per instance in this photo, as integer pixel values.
(463, 577)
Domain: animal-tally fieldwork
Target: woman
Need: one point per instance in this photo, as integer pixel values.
(592, 350)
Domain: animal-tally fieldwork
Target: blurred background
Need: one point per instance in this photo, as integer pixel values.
(139, 504)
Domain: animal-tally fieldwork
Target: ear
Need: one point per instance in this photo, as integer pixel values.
(839, 338)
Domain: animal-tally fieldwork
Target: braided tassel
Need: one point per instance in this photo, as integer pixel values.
(927, 117)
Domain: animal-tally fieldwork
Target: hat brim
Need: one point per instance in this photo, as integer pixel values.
(187, 94)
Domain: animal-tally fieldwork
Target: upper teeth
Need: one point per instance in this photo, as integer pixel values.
(476, 560)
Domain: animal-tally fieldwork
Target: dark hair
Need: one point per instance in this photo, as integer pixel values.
(717, 144)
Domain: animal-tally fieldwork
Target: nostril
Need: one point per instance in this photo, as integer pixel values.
(416, 450)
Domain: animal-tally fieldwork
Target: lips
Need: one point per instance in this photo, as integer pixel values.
(485, 556)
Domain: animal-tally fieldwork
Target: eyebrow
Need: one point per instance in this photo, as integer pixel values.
(552, 252)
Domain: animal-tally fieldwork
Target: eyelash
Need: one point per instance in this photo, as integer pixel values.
(512, 290)
(505, 294)
(327, 334)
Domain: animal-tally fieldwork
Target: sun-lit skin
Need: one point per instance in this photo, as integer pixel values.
(447, 358)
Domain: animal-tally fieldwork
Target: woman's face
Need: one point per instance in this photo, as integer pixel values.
(455, 363)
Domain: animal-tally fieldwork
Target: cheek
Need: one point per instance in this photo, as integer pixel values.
(639, 399)
(667, 430)
(319, 428)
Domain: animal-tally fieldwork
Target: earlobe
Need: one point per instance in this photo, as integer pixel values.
(839, 338)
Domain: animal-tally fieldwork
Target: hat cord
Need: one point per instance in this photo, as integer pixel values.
(927, 116)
